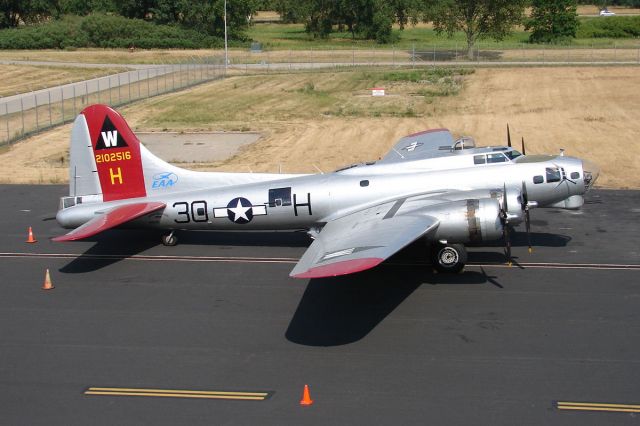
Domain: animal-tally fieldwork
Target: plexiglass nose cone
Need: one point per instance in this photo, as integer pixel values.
(591, 172)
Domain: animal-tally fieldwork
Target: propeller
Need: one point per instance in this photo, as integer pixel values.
(508, 136)
(524, 204)
(504, 219)
(524, 152)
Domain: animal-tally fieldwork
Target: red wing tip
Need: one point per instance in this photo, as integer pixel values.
(340, 268)
(427, 131)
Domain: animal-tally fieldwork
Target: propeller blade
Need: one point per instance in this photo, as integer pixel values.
(504, 200)
(524, 152)
(508, 136)
(504, 218)
(527, 222)
(524, 195)
(525, 208)
(507, 244)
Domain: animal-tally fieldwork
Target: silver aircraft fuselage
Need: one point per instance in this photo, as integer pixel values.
(312, 200)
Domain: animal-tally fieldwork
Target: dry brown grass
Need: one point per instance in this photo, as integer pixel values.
(24, 78)
(589, 111)
(108, 56)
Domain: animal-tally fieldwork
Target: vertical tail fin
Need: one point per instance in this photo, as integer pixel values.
(105, 156)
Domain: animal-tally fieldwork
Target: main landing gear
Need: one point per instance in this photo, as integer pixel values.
(170, 240)
(448, 258)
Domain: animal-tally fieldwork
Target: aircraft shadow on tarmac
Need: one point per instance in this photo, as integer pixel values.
(115, 245)
(342, 310)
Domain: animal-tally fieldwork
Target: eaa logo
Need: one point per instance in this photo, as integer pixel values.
(109, 136)
(164, 180)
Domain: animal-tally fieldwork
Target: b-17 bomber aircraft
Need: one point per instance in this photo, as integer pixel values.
(429, 186)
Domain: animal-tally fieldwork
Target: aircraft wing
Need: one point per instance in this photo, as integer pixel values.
(110, 219)
(362, 240)
(427, 144)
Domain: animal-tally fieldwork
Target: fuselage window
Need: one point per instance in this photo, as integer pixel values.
(479, 159)
(280, 197)
(364, 183)
(496, 158)
(553, 175)
(538, 179)
(575, 175)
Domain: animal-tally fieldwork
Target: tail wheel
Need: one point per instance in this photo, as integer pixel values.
(170, 240)
(449, 258)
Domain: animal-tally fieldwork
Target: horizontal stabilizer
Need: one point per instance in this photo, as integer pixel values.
(110, 219)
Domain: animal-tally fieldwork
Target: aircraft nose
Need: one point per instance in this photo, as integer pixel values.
(590, 171)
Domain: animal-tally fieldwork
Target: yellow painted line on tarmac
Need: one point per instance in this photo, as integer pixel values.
(179, 393)
(597, 406)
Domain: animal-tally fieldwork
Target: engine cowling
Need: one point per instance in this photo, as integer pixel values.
(469, 221)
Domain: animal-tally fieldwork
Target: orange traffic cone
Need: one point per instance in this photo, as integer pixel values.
(48, 285)
(306, 398)
(31, 238)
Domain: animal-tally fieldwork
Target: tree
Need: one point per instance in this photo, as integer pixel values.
(552, 20)
(478, 19)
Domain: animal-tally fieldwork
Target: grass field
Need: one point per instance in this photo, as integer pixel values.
(325, 120)
(24, 78)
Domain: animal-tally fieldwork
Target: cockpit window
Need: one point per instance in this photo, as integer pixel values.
(538, 179)
(512, 154)
(553, 174)
(496, 158)
(575, 175)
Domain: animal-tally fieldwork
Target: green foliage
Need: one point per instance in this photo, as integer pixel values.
(478, 19)
(610, 27)
(103, 31)
(552, 21)
(365, 19)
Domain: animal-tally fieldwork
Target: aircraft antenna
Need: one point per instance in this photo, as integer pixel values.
(75, 180)
(396, 151)
(318, 169)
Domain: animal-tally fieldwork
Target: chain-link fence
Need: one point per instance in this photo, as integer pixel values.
(517, 54)
(29, 113)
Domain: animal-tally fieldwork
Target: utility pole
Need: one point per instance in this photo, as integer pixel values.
(226, 49)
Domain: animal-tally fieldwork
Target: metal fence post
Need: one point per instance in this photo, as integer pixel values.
(413, 55)
(129, 85)
(99, 101)
(22, 113)
(6, 122)
(35, 100)
(62, 102)
(119, 92)
(74, 99)
(110, 100)
(49, 95)
(86, 90)
(148, 84)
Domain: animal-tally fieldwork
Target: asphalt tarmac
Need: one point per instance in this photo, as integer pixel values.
(396, 345)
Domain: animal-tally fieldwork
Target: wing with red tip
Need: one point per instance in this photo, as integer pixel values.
(110, 219)
(362, 240)
(417, 146)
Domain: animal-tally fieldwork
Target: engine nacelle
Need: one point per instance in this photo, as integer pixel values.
(469, 221)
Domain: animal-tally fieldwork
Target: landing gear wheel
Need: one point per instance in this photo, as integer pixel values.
(169, 240)
(449, 258)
